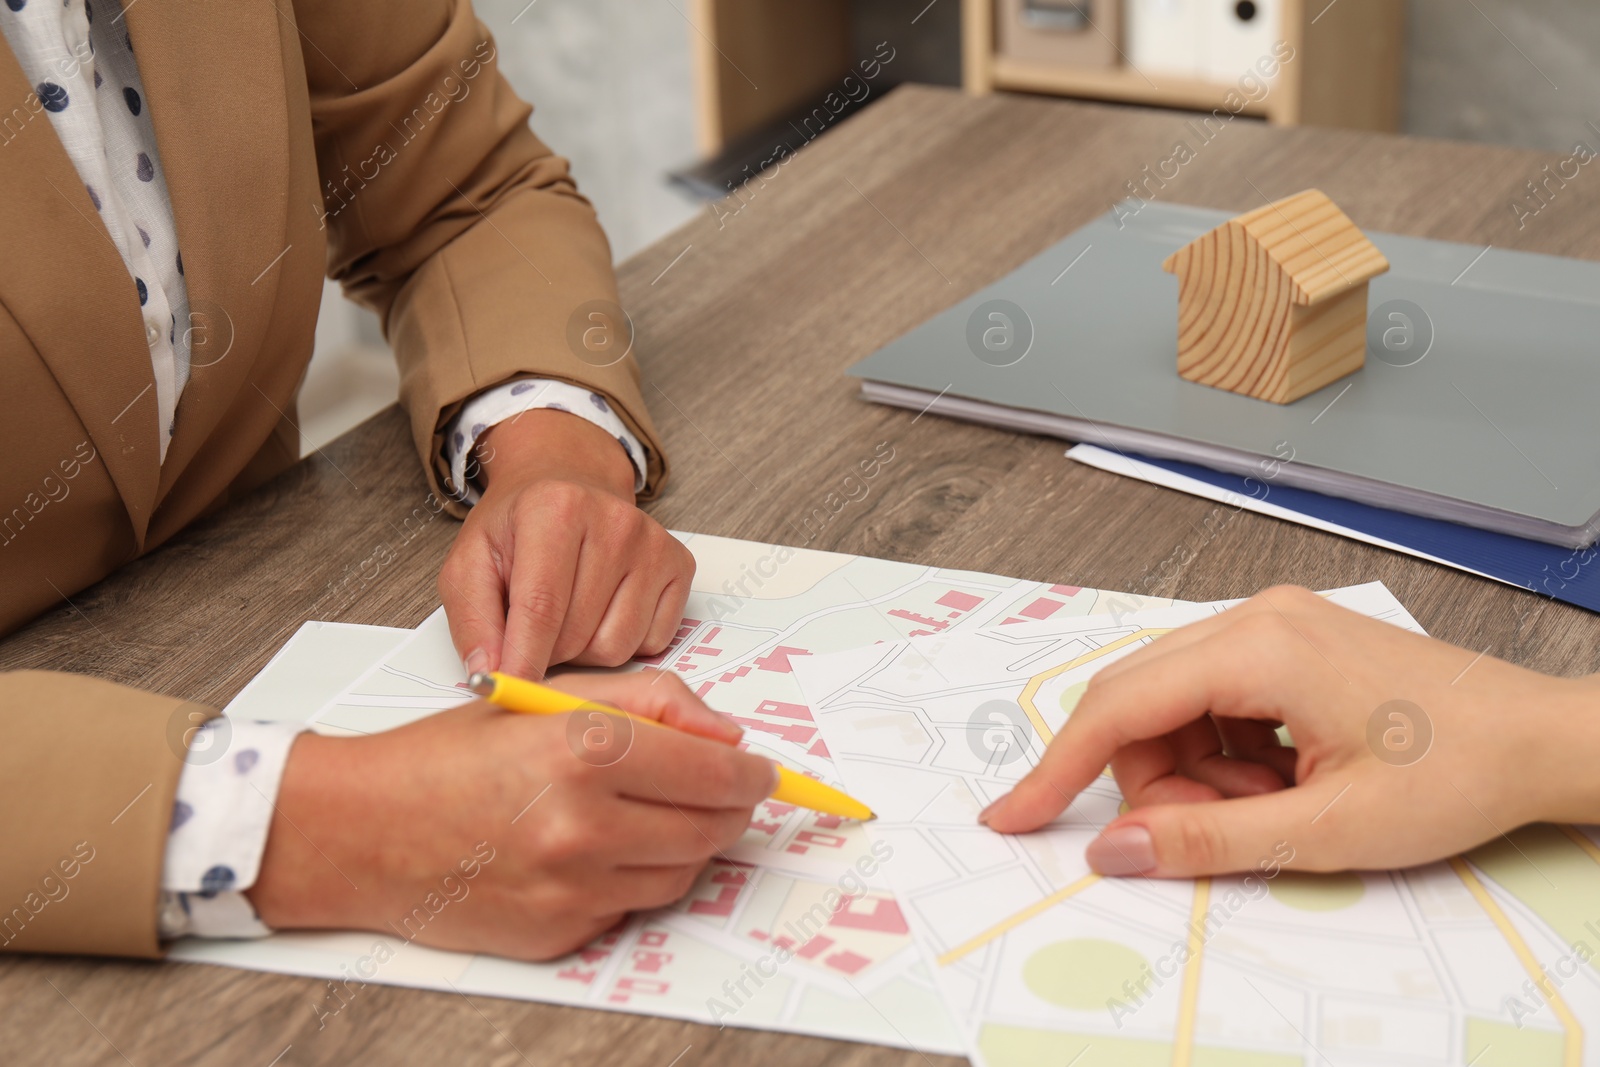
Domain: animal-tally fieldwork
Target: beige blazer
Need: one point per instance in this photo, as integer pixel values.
(370, 140)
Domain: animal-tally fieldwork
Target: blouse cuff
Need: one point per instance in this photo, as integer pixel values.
(496, 405)
(220, 819)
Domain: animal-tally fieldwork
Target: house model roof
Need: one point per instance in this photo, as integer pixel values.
(1319, 249)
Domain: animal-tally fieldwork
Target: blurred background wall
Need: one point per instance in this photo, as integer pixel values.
(612, 88)
(1518, 72)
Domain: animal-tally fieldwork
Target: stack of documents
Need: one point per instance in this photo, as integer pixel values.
(1475, 405)
(927, 693)
(1565, 574)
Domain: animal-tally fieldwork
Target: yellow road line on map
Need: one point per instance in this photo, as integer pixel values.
(1005, 925)
(1188, 1004)
(1581, 839)
(1035, 683)
(1573, 1051)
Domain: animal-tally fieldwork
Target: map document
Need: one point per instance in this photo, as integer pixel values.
(1483, 960)
(793, 929)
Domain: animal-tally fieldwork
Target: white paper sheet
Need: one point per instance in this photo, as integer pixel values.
(1128, 467)
(318, 662)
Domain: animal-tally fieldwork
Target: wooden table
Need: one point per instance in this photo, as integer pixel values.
(744, 329)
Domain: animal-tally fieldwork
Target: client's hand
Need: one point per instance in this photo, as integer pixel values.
(556, 563)
(519, 835)
(1188, 726)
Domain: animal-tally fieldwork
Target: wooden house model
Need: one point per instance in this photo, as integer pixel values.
(1273, 303)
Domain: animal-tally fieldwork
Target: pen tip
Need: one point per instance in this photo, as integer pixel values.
(481, 683)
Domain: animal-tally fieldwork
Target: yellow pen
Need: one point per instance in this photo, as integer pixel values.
(531, 698)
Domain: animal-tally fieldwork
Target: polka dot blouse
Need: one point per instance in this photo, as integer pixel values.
(81, 60)
(79, 57)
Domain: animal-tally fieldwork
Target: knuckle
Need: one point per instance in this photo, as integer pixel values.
(567, 769)
(565, 651)
(540, 607)
(1089, 714)
(1285, 597)
(1200, 841)
(654, 644)
(685, 558)
(562, 501)
(654, 530)
(1099, 683)
(664, 686)
(1266, 631)
(674, 683)
(608, 650)
(626, 513)
(623, 527)
(564, 836)
(676, 687)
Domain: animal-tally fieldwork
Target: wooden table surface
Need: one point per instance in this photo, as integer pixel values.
(745, 323)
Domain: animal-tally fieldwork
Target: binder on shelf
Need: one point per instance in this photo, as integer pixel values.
(1236, 35)
(1060, 33)
(1206, 40)
(1164, 37)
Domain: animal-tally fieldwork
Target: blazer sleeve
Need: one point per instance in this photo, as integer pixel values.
(449, 218)
(88, 772)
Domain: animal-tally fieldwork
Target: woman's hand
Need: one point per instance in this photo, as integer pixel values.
(483, 830)
(556, 563)
(1188, 725)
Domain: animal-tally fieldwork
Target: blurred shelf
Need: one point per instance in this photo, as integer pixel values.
(758, 62)
(1123, 84)
(1346, 71)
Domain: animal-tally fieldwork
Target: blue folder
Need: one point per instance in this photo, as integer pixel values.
(1565, 574)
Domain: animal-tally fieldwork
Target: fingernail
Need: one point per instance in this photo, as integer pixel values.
(994, 806)
(1122, 850)
(477, 660)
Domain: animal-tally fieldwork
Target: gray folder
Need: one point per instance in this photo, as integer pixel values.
(1477, 403)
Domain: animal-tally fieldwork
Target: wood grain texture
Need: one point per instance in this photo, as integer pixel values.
(977, 46)
(1273, 303)
(1315, 244)
(1352, 64)
(897, 214)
